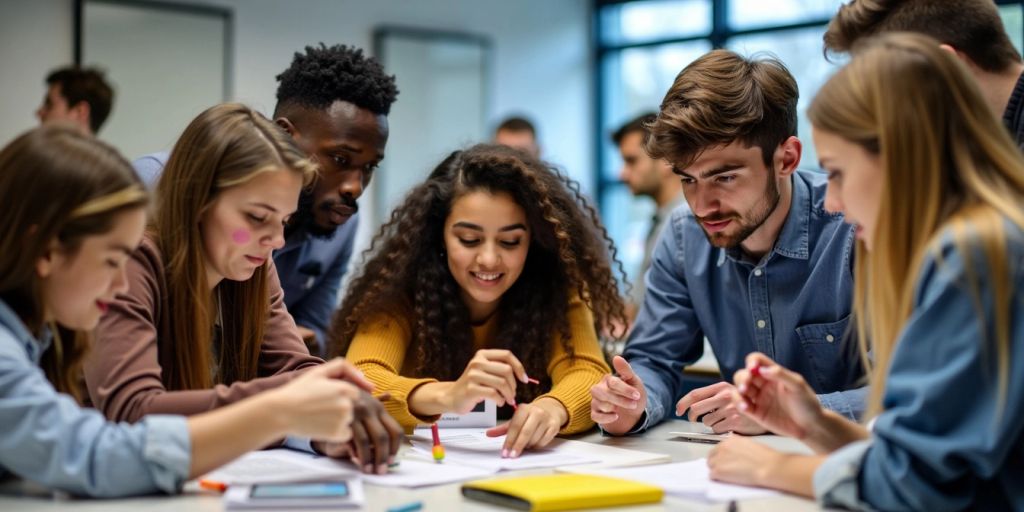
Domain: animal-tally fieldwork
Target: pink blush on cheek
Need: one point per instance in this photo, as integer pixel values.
(241, 236)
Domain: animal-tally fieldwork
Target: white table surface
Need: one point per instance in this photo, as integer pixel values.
(442, 498)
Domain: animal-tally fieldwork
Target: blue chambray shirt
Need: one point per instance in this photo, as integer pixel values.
(944, 441)
(793, 305)
(47, 438)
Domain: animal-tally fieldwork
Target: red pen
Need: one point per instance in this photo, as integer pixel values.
(438, 450)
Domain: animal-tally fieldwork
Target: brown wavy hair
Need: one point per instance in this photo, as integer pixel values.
(723, 97)
(406, 271)
(57, 184)
(225, 146)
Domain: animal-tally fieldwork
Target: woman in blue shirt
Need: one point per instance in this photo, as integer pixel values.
(935, 186)
(73, 213)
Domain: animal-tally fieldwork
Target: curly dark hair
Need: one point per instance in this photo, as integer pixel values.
(326, 74)
(407, 272)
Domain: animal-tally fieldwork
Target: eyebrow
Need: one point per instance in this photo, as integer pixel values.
(351, 149)
(474, 227)
(265, 205)
(122, 248)
(713, 172)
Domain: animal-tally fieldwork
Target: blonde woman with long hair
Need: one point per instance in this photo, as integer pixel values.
(935, 186)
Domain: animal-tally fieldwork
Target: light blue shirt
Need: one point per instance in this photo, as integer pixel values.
(793, 305)
(310, 268)
(944, 441)
(47, 438)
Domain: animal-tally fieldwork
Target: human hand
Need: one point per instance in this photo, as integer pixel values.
(532, 426)
(490, 375)
(776, 398)
(376, 436)
(713, 405)
(741, 460)
(317, 403)
(618, 401)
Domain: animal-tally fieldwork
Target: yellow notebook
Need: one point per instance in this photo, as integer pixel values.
(541, 493)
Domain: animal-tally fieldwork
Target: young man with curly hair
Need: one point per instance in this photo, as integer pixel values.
(334, 101)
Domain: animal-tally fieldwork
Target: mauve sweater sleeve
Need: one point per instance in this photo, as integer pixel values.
(123, 371)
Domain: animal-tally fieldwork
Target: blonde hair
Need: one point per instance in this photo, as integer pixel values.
(951, 172)
(225, 146)
(57, 184)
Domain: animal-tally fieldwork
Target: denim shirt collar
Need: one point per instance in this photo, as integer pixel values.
(33, 347)
(792, 241)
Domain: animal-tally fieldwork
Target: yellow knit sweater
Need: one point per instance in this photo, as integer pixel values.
(379, 350)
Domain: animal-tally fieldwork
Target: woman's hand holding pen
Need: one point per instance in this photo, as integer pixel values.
(778, 399)
(532, 426)
(490, 375)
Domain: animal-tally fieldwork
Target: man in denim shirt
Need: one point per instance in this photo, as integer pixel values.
(758, 264)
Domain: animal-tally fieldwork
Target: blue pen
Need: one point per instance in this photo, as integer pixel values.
(408, 507)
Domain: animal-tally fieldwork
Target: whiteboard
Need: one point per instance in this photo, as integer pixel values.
(167, 63)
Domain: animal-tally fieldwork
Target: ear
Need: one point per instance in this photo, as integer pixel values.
(48, 261)
(787, 156)
(81, 111)
(287, 125)
(959, 55)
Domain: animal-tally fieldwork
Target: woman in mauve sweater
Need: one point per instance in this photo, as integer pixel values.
(492, 272)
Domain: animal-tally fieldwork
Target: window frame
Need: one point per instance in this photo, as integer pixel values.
(719, 35)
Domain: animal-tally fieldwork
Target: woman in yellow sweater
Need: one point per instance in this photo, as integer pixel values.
(488, 282)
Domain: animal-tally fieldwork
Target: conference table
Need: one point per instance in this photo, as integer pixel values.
(442, 498)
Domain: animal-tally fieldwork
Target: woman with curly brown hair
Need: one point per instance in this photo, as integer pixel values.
(492, 270)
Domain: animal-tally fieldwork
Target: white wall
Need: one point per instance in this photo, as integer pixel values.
(542, 65)
(35, 37)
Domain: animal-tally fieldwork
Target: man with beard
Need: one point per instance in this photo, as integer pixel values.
(646, 176)
(334, 102)
(757, 264)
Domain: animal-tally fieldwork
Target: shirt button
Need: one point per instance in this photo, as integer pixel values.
(757, 272)
(829, 338)
(761, 324)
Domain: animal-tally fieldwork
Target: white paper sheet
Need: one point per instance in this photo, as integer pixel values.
(420, 473)
(690, 479)
(473, 448)
(279, 466)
